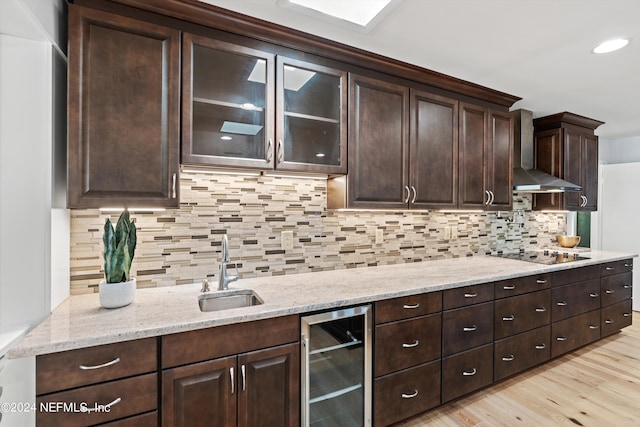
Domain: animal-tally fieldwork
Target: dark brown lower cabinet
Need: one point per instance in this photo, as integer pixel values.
(521, 313)
(520, 352)
(465, 372)
(406, 393)
(615, 317)
(574, 332)
(467, 327)
(251, 389)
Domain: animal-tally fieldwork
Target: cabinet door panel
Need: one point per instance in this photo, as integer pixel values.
(573, 168)
(616, 288)
(468, 295)
(523, 285)
(269, 387)
(574, 332)
(227, 104)
(406, 307)
(499, 168)
(590, 177)
(433, 151)
(517, 353)
(616, 317)
(472, 156)
(202, 394)
(378, 143)
(548, 158)
(467, 327)
(571, 300)
(124, 96)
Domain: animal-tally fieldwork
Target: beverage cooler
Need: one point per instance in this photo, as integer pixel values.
(336, 368)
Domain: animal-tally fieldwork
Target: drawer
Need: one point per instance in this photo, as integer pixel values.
(616, 288)
(145, 420)
(617, 267)
(112, 400)
(212, 343)
(465, 328)
(522, 285)
(522, 313)
(460, 297)
(573, 275)
(575, 332)
(407, 307)
(406, 343)
(465, 372)
(615, 317)
(74, 368)
(520, 352)
(571, 300)
(406, 393)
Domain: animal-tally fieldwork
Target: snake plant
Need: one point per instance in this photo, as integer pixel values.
(119, 248)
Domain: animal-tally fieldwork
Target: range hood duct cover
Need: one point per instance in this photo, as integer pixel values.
(525, 177)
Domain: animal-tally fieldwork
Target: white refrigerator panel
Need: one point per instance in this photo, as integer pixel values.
(620, 214)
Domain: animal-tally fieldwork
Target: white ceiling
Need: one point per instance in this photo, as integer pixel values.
(539, 50)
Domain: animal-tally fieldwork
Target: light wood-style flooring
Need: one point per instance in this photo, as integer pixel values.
(595, 386)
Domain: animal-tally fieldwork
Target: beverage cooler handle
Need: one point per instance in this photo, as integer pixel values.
(305, 381)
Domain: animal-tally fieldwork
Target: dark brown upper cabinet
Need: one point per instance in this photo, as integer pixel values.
(243, 108)
(123, 104)
(403, 148)
(485, 158)
(566, 146)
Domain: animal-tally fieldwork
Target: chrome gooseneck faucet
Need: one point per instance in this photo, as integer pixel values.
(224, 279)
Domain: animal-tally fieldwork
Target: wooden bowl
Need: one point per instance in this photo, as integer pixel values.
(568, 241)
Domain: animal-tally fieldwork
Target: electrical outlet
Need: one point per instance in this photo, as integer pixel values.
(286, 239)
(379, 236)
(454, 232)
(447, 233)
(553, 227)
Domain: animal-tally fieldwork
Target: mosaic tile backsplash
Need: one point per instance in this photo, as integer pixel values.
(181, 246)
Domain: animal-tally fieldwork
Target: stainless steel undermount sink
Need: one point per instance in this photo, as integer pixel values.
(224, 300)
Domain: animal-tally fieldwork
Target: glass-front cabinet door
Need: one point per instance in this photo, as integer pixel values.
(227, 105)
(311, 119)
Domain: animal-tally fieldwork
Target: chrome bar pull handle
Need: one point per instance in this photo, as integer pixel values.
(541, 346)
(594, 326)
(269, 150)
(410, 396)
(562, 304)
(412, 345)
(628, 265)
(561, 338)
(406, 199)
(594, 295)
(609, 268)
(510, 318)
(626, 314)
(232, 379)
(473, 295)
(244, 377)
(486, 192)
(470, 328)
(415, 194)
(509, 358)
(541, 309)
(493, 197)
(411, 306)
(469, 373)
(280, 151)
(541, 281)
(104, 365)
(609, 291)
(509, 287)
(174, 178)
(609, 321)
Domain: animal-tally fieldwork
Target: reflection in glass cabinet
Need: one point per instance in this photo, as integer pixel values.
(311, 118)
(227, 102)
(336, 368)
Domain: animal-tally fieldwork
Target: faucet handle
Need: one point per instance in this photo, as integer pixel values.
(205, 286)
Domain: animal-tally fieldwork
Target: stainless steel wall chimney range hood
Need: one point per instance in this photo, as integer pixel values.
(525, 177)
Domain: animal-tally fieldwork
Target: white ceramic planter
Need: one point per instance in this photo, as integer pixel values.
(115, 295)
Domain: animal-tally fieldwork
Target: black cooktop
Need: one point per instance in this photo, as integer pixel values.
(542, 257)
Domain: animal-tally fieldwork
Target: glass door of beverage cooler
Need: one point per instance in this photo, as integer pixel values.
(336, 368)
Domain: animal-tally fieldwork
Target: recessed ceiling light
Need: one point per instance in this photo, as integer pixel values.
(611, 45)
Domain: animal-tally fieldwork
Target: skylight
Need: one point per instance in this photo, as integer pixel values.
(361, 15)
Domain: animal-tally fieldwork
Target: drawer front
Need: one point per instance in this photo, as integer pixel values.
(145, 420)
(617, 267)
(575, 332)
(615, 317)
(574, 275)
(465, 328)
(571, 300)
(406, 343)
(522, 313)
(406, 393)
(107, 401)
(520, 352)
(406, 307)
(461, 297)
(616, 288)
(522, 285)
(466, 372)
(212, 343)
(74, 368)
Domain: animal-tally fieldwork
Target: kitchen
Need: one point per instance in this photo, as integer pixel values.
(318, 245)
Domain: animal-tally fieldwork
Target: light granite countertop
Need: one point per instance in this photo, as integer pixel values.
(80, 321)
